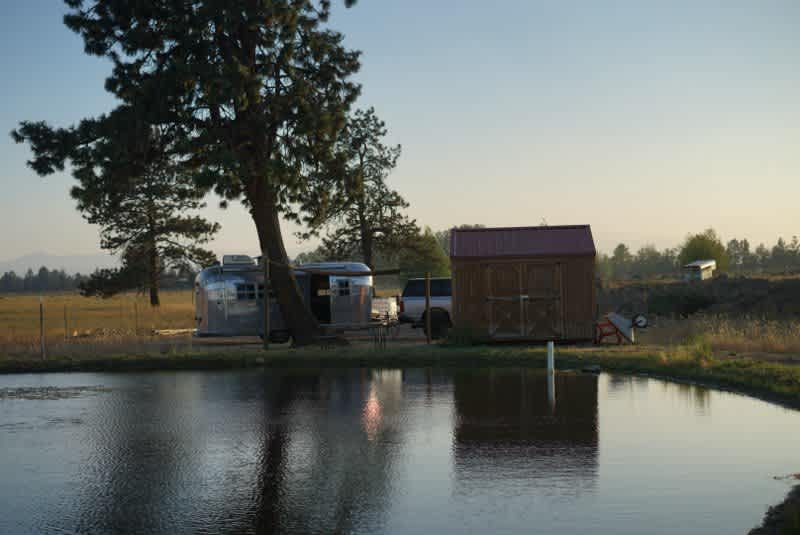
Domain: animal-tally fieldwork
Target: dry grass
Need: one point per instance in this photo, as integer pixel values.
(117, 317)
(108, 326)
(740, 335)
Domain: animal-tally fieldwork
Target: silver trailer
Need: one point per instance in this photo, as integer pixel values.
(229, 298)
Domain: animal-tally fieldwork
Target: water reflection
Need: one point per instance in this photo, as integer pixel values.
(698, 398)
(142, 446)
(326, 466)
(296, 452)
(394, 451)
(509, 428)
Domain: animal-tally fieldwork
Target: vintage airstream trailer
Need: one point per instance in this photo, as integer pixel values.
(229, 297)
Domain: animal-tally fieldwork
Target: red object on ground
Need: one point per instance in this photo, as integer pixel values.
(605, 329)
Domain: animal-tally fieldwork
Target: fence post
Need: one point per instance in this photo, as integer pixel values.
(41, 326)
(266, 300)
(551, 377)
(428, 307)
(135, 317)
(66, 330)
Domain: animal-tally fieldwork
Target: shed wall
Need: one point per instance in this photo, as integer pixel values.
(559, 298)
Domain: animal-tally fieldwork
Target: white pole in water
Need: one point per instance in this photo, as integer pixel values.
(551, 376)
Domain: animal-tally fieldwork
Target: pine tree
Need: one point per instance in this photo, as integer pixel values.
(366, 216)
(142, 199)
(423, 254)
(254, 93)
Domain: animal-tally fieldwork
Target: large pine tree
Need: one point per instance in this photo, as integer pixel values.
(254, 94)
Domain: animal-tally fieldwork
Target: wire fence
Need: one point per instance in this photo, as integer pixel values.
(37, 321)
(70, 316)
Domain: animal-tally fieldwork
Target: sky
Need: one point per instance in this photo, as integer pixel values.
(648, 120)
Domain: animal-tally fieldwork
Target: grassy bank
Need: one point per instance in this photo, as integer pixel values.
(770, 380)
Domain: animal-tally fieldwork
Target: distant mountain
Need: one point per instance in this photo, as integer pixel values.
(71, 264)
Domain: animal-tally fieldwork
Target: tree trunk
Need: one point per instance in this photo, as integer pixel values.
(302, 324)
(152, 275)
(366, 250)
(154, 300)
(366, 235)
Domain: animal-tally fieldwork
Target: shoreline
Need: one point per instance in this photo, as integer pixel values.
(774, 382)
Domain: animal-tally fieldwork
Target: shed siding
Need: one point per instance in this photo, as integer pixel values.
(560, 290)
(469, 302)
(579, 301)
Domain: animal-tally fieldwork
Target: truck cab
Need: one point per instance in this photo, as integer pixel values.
(412, 305)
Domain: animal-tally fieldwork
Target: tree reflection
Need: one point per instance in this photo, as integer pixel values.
(328, 452)
(697, 397)
(140, 445)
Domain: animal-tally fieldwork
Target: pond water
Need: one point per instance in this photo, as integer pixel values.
(386, 451)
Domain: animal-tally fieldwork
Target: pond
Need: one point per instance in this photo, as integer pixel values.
(386, 451)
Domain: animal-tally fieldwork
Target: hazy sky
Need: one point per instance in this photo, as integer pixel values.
(645, 119)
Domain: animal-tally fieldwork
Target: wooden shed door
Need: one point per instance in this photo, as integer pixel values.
(505, 307)
(544, 315)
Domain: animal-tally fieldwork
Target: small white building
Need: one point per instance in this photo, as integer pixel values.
(699, 270)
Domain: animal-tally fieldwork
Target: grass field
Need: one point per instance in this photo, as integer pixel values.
(736, 335)
(123, 314)
(126, 323)
(120, 315)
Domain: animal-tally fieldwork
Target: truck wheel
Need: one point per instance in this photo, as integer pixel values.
(279, 337)
(440, 324)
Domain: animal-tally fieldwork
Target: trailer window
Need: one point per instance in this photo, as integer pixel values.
(344, 288)
(245, 292)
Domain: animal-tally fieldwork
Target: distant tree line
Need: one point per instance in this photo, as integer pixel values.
(43, 280)
(58, 280)
(735, 257)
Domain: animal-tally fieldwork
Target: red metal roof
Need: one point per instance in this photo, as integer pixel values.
(567, 240)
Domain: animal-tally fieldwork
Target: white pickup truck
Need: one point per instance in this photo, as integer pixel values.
(412, 305)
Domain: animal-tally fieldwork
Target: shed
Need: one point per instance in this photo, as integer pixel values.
(699, 270)
(524, 283)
